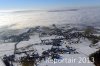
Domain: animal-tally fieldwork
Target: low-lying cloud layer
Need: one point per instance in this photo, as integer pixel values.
(31, 18)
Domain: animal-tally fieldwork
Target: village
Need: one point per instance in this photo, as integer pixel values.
(36, 46)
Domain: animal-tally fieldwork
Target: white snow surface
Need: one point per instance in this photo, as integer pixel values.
(83, 49)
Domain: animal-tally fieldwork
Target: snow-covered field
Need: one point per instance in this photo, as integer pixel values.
(83, 49)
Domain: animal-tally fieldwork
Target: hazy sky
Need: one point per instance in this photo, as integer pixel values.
(46, 4)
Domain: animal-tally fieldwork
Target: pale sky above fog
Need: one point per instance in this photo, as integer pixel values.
(46, 4)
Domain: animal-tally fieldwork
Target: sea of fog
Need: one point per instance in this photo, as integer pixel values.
(23, 19)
